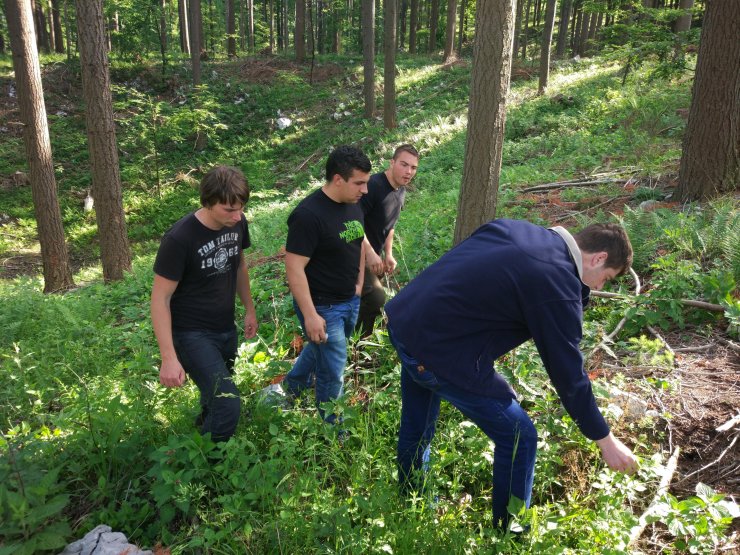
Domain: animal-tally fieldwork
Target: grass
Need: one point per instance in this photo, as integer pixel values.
(85, 422)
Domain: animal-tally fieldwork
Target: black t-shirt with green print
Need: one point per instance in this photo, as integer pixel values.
(330, 234)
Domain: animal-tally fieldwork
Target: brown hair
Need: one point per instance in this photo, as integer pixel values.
(611, 239)
(406, 148)
(224, 184)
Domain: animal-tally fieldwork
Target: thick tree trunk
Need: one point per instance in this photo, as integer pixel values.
(54, 256)
(101, 136)
(230, 29)
(683, 23)
(492, 52)
(413, 25)
(563, 28)
(368, 56)
(433, 23)
(545, 47)
(300, 30)
(450, 31)
(710, 163)
(389, 69)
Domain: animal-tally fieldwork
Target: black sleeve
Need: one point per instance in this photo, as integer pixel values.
(170, 261)
(304, 231)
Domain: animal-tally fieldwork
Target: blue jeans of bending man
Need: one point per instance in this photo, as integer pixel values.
(325, 362)
(502, 420)
(208, 358)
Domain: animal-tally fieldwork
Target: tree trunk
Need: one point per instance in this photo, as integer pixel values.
(461, 31)
(433, 22)
(163, 32)
(272, 26)
(368, 56)
(242, 25)
(320, 26)
(683, 23)
(402, 24)
(710, 163)
(583, 33)
(2, 38)
(195, 36)
(518, 26)
(525, 37)
(182, 11)
(68, 31)
(563, 28)
(42, 34)
(54, 256)
(50, 26)
(230, 29)
(101, 136)
(286, 33)
(575, 31)
(449, 54)
(413, 25)
(389, 70)
(300, 30)
(545, 47)
(492, 51)
(250, 17)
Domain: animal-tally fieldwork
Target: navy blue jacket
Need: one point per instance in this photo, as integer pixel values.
(508, 282)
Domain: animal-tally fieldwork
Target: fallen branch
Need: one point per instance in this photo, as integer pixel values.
(686, 302)
(697, 349)
(565, 184)
(715, 461)
(734, 346)
(665, 481)
(729, 424)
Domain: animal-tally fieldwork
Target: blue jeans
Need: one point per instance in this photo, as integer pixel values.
(325, 362)
(208, 358)
(502, 420)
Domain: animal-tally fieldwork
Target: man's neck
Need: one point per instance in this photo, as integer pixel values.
(204, 216)
(331, 192)
(389, 177)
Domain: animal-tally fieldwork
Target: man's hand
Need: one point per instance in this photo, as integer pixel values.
(617, 455)
(374, 262)
(250, 325)
(171, 373)
(315, 328)
(390, 264)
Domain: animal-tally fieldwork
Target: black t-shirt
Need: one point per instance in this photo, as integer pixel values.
(330, 234)
(381, 205)
(204, 262)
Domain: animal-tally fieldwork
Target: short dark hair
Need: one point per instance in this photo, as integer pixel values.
(224, 184)
(343, 160)
(405, 148)
(611, 239)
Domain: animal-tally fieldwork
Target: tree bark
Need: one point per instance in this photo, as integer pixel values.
(230, 29)
(182, 12)
(563, 28)
(683, 23)
(42, 34)
(413, 25)
(433, 23)
(450, 34)
(402, 23)
(368, 56)
(710, 163)
(163, 32)
(250, 17)
(195, 40)
(2, 38)
(492, 52)
(545, 47)
(525, 36)
(389, 69)
(518, 26)
(54, 255)
(300, 30)
(461, 27)
(101, 135)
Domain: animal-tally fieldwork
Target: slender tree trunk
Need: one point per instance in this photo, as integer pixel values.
(50, 25)
(182, 12)
(54, 256)
(402, 23)
(461, 31)
(683, 23)
(311, 30)
(449, 53)
(250, 17)
(230, 29)
(195, 36)
(68, 31)
(2, 38)
(492, 52)
(518, 26)
(101, 136)
(242, 25)
(413, 25)
(563, 28)
(163, 32)
(583, 33)
(272, 26)
(433, 22)
(368, 56)
(286, 34)
(710, 164)
(389, 71)
(545, 48)
(42, 34)
(300, 30)
(525, 37)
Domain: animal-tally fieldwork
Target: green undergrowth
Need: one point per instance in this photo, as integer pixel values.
(89, 437)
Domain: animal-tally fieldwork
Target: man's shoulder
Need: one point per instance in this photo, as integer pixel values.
(378, 181)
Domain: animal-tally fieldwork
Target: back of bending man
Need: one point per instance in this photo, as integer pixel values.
(508, 282)
(199, 270)
(324, 266)
(382, 205)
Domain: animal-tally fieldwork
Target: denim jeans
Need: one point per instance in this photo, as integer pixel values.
(208, 358)
(325, 362)
(502, 420)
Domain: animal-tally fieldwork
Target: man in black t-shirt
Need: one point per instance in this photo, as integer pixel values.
(324, 264)
(198, 271)
(382, 205)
